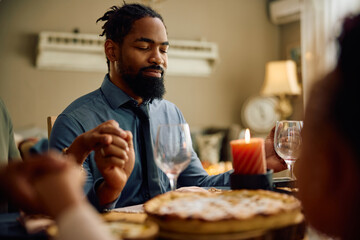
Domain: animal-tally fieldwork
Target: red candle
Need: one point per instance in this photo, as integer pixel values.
(248, 155)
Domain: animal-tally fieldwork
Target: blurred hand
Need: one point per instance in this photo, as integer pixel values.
(60, 190)
(16, 180)
(272, 159)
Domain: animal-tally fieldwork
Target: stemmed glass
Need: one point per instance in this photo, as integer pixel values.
(172, 150)
(287, 142)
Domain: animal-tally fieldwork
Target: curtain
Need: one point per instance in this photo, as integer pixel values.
(321, 22)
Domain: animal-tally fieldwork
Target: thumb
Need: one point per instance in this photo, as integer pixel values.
(100, 140)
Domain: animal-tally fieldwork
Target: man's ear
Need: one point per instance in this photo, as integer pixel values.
(110, 50)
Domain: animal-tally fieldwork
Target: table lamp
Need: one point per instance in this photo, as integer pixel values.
(281, 80)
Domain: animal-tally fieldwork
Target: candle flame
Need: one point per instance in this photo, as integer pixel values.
(247, 135)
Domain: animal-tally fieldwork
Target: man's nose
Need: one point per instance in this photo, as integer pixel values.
(156, 58)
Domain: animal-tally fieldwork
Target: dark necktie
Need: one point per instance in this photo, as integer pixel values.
(150, 169)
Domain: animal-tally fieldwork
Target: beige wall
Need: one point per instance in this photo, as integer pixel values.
(290, 38)
(246, 39)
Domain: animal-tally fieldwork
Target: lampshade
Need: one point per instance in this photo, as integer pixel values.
(281, 78)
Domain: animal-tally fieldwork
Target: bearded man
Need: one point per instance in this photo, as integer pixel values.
(124, 173)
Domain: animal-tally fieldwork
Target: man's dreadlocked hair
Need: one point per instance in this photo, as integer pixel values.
(119, 20)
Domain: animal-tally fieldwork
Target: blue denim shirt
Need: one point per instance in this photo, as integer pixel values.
(106, 103)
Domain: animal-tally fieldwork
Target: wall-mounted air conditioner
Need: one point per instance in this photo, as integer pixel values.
(191, 58)
(285, 11)
(85, 52)
(71, 51)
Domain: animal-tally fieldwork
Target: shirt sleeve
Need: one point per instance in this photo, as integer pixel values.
(194, 174)
(82, 222)
(92, 197)
(63, 133)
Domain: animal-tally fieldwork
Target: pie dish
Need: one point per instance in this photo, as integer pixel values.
(132, 230)
(225, 212)
(130, 226)
(122, 226)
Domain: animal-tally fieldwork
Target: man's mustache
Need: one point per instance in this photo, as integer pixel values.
(153, 67)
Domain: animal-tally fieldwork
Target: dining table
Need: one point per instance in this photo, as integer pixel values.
(12, 225)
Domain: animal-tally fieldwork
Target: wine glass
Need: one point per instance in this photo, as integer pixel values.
(173, 150)
(287, 142)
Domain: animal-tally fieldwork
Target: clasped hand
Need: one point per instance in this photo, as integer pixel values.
(115, 160)
(114, 157)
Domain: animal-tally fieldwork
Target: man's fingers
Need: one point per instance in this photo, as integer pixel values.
(115, 151)
(105, 135)
(110, 128)
(103, 154)
(104, 138)
(120, 143)
(112, 123)
(98, 140)
(110, 162)
(275, 163)
(129, 139)
(271, 134)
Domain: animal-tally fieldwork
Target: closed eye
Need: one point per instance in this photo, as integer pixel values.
(164, 49)
(143, 48)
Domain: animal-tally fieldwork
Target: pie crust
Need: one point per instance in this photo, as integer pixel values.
(225, 212)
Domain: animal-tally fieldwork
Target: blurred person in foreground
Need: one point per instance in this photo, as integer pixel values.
(132, 94)
(52, 185)
(107, 134)
(8, 149)
(329, 168)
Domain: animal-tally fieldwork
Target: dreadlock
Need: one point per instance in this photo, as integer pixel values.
(119, 20)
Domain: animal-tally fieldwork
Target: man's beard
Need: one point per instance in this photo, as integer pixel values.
(148, 88)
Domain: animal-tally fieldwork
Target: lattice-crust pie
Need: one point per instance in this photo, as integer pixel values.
(230, 211)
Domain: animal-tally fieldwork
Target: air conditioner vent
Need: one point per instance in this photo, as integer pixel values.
(85, 52)
(285, 11)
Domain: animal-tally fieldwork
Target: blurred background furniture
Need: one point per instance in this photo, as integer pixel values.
(212, 145)
(50, 123)
(281, 80)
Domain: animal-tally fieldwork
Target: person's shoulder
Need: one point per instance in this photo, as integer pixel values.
(165, 107)
(2, 106)
(162, 103)
(88, 101)
(4, 115)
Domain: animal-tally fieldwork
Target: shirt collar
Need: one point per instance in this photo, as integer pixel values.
(113, 94)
